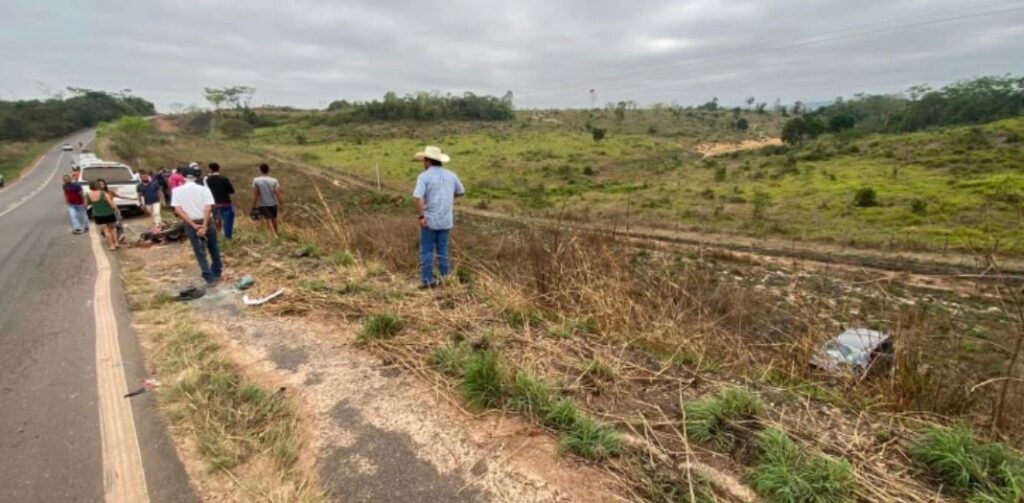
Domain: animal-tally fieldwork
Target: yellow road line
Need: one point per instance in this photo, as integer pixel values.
(124, 480)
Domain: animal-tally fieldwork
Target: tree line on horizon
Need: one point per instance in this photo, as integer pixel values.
(965, 102)
(38, 120)
(424, 106)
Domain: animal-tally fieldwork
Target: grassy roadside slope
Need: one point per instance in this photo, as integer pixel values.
(16, 157)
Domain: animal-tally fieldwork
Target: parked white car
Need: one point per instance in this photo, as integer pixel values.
(122, 181)
(67, 147)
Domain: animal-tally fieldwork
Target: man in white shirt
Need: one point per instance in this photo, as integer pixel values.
(193, 203)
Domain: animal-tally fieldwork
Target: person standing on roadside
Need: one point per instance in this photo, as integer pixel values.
(149, 191)
(266, 197)
(104, 211)
(74, 196)
(435, 193)
(175, 180)
(160, 177)
(223, 208)
(193, 203)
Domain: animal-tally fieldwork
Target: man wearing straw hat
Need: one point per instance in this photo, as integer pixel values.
(435, 193)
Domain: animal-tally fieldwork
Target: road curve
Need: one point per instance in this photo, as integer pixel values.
(51, 445)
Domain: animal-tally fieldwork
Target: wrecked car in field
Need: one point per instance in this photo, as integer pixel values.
(855, 351)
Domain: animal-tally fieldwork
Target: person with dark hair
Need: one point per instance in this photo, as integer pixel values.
(435, 193)
(104, 211)
(149, 192)
(266, 197)
(74, 196)
(193, 203)
(223, 208)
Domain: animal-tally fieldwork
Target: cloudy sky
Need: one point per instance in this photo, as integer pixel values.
(550, 53)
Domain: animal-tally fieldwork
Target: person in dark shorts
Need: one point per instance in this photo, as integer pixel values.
(104, 211)
(223, 208)
(266, 197)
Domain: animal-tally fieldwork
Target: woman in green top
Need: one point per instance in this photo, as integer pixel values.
(104, 211)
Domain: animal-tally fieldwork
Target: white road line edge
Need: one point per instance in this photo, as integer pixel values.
(124, 480)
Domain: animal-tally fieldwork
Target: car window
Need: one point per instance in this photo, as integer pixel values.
(113, 174)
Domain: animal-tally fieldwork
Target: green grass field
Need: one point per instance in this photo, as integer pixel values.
(957, 189)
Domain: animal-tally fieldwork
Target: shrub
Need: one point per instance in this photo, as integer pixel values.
(720, 173)
(343, 259)
(719, 419)
(381, 326)
(865, 197)
(484, 381)
(590, 439)
(784, 473)
(597, 134)
(234, 128)
(530, 395)
(986, 472)
(451, 358)
(918, 206)
(742, 124)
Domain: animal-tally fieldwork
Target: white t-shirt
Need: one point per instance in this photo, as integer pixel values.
(192, 198)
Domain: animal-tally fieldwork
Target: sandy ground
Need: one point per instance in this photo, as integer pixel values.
(713, 149)
(379, 433)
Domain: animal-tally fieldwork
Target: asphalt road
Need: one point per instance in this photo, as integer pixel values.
(51, 446)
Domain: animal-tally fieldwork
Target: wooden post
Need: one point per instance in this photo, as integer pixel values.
(376, 167)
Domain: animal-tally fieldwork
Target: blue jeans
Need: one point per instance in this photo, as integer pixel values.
(226, 215)
(200, 247)
(433, 242)
(79, 217)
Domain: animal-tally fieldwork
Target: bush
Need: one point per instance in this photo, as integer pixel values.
(381, 326)
(865, 197)
(742, 124)
(784, 473)
(451, 358)
(234, 128)
(597, 134)
(918, 206)
(484, 381)
(985, 472)
(530, 395)
(720, 419)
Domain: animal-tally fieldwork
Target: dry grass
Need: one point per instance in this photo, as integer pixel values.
(249, 434)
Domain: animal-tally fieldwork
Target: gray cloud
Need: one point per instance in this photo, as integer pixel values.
(549, 53)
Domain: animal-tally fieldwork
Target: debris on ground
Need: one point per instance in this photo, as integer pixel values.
(191, 293)
(147, 385)
(255, 302)
(245, 283)
(855, 349)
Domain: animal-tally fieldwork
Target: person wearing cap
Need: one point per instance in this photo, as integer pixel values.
(193, 203)
(435, 193)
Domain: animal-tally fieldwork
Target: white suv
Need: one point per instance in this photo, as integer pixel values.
(121, 180)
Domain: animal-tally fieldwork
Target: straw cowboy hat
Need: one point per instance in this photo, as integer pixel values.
(432, 152)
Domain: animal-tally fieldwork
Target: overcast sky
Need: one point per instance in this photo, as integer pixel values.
(550, 53)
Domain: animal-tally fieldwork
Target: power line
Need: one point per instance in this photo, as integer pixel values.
(799, 42)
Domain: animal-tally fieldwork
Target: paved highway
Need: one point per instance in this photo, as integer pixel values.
(67, 355)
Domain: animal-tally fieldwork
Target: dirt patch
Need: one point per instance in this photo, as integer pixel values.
(713, 149)
(164, 125)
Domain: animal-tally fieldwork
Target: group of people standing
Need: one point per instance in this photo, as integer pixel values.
(205, 206)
